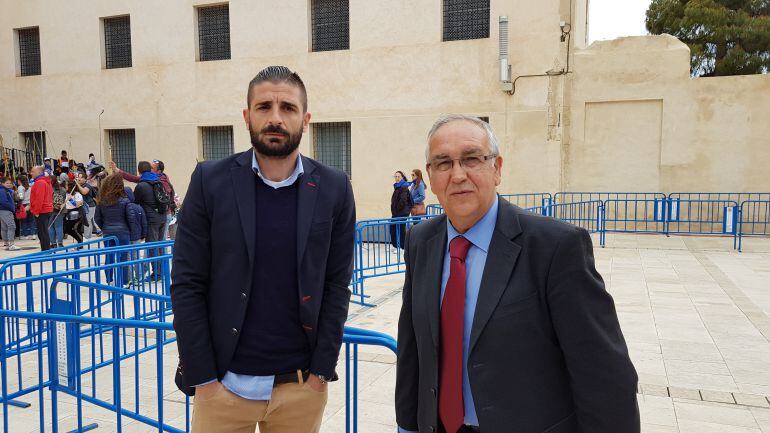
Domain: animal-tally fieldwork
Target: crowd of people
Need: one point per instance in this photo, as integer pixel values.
(64, 198)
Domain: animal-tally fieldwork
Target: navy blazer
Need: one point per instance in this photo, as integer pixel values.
(214, 257)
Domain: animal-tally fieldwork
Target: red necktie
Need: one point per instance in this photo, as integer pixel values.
(451, 410)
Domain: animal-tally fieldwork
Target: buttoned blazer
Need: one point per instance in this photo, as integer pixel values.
(546, 352)
(214, 256)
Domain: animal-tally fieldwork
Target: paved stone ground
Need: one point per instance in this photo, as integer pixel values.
(695, 313)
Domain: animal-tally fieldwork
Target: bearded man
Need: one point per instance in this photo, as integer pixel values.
(263, 258)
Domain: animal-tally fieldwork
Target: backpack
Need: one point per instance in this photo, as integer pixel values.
(162, 199)
(59, 196)
(137, 221)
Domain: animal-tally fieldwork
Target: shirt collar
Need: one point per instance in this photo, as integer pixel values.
(480, 235)
(299, 170)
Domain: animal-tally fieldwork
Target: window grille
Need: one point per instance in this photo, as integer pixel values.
(123, 145)
(466, 19)
(35, 148)
(117, 42)
(214, 33)
(217, 142)
(29, 51)
(331, 25)
(331, 144)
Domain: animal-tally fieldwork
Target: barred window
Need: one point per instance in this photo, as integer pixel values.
(34, 147)
(331, 144)
(331, 25)
(466, 19)
(29, 51)
(117, 42)
(214, 33)
(217, 142)
(123, 146)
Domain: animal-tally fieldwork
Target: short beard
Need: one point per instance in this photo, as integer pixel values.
(269, 148)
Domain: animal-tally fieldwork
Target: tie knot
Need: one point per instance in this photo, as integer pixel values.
(458, 248)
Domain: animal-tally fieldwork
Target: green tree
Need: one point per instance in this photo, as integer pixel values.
(726, 37)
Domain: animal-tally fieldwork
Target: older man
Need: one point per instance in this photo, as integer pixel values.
(41, 204)
(506, 325)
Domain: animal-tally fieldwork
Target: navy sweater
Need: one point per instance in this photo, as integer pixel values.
(272, 340)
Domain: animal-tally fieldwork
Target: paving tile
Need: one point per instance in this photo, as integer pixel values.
(751, 400)
(717, 396)
(684, 393)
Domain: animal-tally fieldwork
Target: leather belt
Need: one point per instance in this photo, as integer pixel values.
(293, 377)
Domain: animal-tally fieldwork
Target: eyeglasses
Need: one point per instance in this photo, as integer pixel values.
(469, 163)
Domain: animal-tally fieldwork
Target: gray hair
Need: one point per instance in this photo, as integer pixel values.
(448, 118)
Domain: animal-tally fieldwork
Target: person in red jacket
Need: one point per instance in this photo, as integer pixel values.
(41, 204)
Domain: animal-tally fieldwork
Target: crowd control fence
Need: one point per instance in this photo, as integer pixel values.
(25, 280)
(586, 214)
(379, 251)
(530, 200)
(86, 346)
(579, 196)
(753, 220)
(93, 244)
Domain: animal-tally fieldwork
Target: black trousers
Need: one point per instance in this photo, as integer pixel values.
(74, 228)
(42, 231)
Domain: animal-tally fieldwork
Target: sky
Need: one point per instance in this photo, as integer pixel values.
(610, 19)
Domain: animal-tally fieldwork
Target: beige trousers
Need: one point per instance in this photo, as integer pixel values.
(294, 408)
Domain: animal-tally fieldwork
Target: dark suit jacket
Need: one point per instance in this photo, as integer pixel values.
(546, 351)
(214, 257)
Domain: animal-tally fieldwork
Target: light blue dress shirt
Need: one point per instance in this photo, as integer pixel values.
(243, 385)
(480, 236)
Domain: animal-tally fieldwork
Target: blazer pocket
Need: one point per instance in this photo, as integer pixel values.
(511, 308)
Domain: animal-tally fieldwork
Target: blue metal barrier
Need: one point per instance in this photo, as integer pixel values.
(753, 220)
(379, 251)
(530, 200)
(88, 327)
(635, 215)
(586, 214)
(25, 281)
(737, 197)
(578, 196)
(702, 217)
(60, 370)
(434, 209)
(94, 244)
(98, 300)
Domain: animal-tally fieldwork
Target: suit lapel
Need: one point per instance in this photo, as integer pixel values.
(309, 183)
(245, 187)
(434, 256)
(501, 260)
